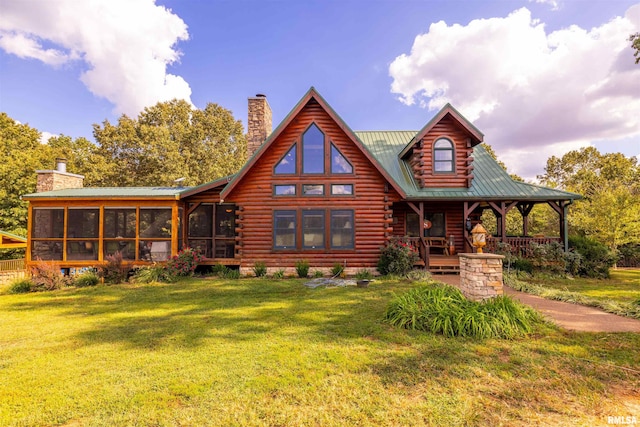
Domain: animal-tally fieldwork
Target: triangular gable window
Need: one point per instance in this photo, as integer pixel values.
(339, 164)
(287, 165)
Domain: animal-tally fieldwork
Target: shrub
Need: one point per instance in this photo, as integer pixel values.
(337, 269)
(21, 286)
(260, 269)
(364, 274)
(46, 277)
(397, 258)
(230, 273)
(548, 257)
(116, 270)
(152, 273)
(629, 255)
(218, 269)
(183, 264)
(302, 268)
(442, 309)
(278, 274)
(597, 258)
(88, 278)
(522, 264)
(318, 274)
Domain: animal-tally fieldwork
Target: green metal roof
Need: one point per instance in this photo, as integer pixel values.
(111, 192)
(490, 181)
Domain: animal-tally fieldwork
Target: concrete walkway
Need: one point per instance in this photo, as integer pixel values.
(572, 317)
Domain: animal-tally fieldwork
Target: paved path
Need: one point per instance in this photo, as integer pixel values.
(573, 317)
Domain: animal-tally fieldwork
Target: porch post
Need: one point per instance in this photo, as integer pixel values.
(525, 210)
(565, 225)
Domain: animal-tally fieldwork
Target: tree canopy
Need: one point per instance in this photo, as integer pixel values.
(635, 45)
(168, 141)
(610, 185)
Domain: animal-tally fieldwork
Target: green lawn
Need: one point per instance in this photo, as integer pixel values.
(623, 286)
(264, 352)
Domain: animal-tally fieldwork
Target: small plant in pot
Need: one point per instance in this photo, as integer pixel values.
(363, 278)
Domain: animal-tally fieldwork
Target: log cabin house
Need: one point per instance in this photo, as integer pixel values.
(312, 189)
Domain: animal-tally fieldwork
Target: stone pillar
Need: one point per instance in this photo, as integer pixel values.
(259, 124)
(481, 275)
(59, 179)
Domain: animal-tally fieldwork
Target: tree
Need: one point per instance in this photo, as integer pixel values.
(635, 45)
(21, 154)
(168, 141)
(610, 185)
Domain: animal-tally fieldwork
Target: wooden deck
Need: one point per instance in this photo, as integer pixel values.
(444, 264)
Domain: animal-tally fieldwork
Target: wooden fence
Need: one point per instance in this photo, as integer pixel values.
(12, 269)
(12, 265)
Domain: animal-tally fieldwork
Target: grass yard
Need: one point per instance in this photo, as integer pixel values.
(623, 286)
(265, 352)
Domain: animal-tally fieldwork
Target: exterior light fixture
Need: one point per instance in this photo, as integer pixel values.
(479, 237)
(467, 225)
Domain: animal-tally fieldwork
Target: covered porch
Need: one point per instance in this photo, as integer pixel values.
(437, 229)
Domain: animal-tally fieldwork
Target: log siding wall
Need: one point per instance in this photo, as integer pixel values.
(256, 201)
(421, 159)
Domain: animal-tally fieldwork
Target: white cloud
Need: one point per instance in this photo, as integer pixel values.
(532, 94)
(553, 3)
(45, 136)
(125, 44)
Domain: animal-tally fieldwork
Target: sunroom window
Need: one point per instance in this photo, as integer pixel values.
(443, 158)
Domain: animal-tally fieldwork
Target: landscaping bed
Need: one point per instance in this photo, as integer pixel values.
(224, 352)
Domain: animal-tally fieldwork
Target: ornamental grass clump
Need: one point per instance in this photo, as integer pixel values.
(152, 273)
(88, 278)
(21, 286)
(302, 268)
(442, 309)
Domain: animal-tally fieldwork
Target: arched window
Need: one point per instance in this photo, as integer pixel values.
(443, 156)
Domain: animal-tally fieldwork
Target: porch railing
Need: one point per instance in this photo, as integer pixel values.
(12, 265)
(519, 245)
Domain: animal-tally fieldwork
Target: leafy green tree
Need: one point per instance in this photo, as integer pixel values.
(635, 45)
(21, 154)
(610, 185)
(168, 141)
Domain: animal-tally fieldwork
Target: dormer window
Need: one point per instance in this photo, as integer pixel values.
(443, 156)
(313, 150)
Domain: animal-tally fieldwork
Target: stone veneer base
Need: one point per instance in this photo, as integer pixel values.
(481, 276)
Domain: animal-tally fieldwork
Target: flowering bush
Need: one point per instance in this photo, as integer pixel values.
(397, 258)
(183, 264)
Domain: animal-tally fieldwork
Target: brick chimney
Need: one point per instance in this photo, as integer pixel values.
(58, 179)
(258, 123)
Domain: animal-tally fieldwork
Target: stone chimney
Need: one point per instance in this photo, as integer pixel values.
(58, 179)
(258, 123)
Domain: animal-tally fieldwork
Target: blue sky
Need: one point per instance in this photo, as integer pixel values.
(539, 78)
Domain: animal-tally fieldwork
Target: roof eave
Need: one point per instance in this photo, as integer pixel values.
(311, 93)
